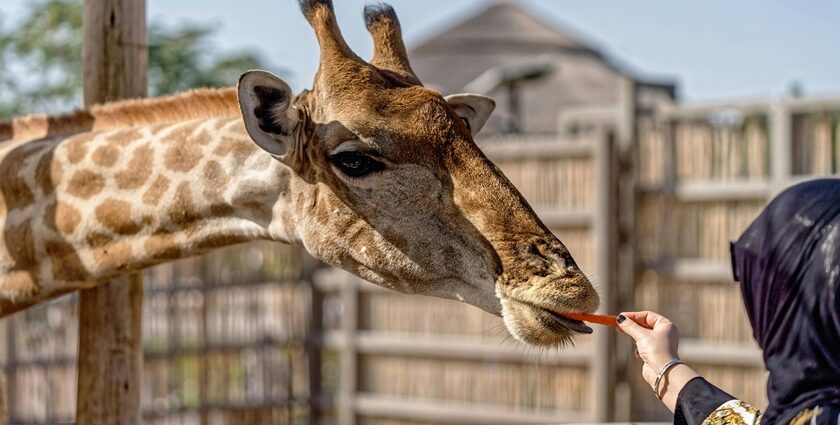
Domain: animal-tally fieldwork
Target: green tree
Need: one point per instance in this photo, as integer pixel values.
(41, 59)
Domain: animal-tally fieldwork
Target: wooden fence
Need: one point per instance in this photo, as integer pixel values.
(258, 334)
(227, 340)
(704, 173)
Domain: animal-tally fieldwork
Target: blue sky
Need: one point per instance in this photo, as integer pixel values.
(716, 49)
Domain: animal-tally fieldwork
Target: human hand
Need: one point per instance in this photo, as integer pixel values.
(656, 340)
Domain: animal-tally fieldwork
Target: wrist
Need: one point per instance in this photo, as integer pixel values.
(673, 382)
(658, 363)
(661, 376)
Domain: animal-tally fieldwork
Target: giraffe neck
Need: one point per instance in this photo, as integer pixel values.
(100, 204)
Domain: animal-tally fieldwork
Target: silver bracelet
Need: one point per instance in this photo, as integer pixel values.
(662, 373)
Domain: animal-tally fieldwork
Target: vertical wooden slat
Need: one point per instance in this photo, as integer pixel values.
(781, 146)
(313, 353)
(605, 227)
(349, 356)
(11, 371)
(110, 339)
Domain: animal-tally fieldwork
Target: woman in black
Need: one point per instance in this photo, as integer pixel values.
(788, 266)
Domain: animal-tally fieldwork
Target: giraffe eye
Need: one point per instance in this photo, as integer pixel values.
(356, 164)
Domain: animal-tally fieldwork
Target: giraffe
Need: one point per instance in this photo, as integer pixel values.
(369, 171)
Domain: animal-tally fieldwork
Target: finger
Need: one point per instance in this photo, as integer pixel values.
(628, 326)
(648, 319)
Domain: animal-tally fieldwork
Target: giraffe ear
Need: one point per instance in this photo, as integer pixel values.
(265, 101)
(474, 109)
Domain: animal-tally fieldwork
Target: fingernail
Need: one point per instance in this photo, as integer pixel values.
(620, 318)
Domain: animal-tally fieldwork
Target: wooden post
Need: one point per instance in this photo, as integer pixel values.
(313, 351)
(110, 332)
(605, 227)
(781, 147)
(349, 361)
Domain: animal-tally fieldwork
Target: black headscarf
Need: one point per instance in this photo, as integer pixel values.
(788, 263)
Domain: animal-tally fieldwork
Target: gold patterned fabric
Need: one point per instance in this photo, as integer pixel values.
(736, 412)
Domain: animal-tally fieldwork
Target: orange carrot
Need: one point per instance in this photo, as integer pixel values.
(592, 318)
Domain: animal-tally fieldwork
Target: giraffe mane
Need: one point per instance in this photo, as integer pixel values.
(193, 104)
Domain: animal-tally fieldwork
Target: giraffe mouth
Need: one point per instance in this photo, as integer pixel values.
(570, 324)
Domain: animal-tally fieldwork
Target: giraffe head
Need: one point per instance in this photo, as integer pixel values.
(389, 185)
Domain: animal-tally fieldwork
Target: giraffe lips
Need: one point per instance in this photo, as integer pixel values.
(570, 324)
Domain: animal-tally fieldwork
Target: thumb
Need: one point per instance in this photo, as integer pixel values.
(628, 326)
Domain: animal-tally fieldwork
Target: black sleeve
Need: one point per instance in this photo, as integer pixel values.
(697, 400)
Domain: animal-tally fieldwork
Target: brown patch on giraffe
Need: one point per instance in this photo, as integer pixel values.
(16, 190)
(221, 209)
(179, 134)
(183, 211)
(125, 137)
(85, 184)
(215, 183)
(106, 156)
(183, 156)
(154, 193)
(48, 173)
(138, 170)
(77, 146)
(215, 179)
(116, 216)
(262, 163)
(65, 264)
(202, 138)
(62, 217)
(20, 243)
(253, 196)
(240, 148)
(162, 246)
(114, 256)
(220, 240)
(98, 239)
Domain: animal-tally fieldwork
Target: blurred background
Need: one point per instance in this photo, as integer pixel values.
(646, 134)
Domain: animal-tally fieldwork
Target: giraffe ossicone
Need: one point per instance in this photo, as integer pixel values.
(368, 171)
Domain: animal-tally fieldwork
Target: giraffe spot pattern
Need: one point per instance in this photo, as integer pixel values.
(65, 264)
(256, 198)
(84, 184)
(162, 246)
(116, 216)
(183, 211)
(138, 170)
(219, 240)
(48, 173)
(156, 191)
(182, 157)
(106, 156)
(98, 239)
(16, 190)
(19, 243)
(215, 179)
(62, 217)
(240, 148)
(125, 137)
(114, 256)
(77, 147)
